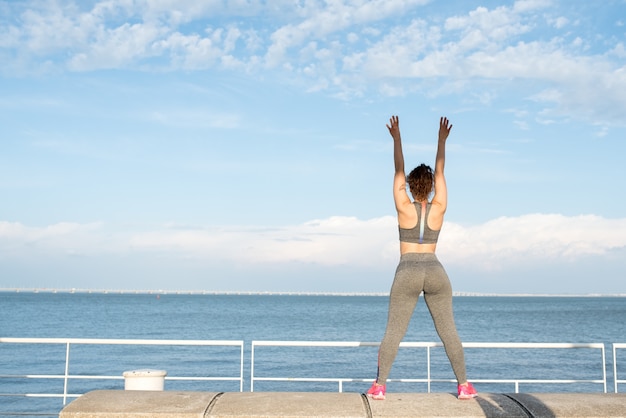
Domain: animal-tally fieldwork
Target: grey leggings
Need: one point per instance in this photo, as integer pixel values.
(418, 272)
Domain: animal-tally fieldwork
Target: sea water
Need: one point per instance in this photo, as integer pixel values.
(262, 317)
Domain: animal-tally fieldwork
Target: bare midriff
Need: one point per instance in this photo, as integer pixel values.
(412, 247)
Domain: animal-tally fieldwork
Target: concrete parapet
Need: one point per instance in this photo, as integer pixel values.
(143, 404)
(139, 404)
(572, 404)
(411, 405)
(289, 404)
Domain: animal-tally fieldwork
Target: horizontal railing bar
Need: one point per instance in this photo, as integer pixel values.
(100, 341)
(422, 344)
(315, 379)
(316, 343)
(95, 377)
(39, 395)
(104, 377)
(202, 378)
(59, 376)
(423, 380)
(524, 380)
(533, 345)
(32, 376)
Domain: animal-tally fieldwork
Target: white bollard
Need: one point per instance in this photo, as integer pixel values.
(146, 379)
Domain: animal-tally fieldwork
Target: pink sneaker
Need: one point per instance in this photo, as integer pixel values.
(377, 392)
(467, 391)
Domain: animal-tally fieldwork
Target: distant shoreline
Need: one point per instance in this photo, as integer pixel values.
(277, 293)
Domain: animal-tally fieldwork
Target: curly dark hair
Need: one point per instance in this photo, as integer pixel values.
(421, 181)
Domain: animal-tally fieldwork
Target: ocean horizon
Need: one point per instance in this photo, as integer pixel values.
(278, 293)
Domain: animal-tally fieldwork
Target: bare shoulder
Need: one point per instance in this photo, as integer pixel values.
(436, 214)
(407, 215)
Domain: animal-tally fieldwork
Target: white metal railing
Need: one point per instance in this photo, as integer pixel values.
(615, 379)
(80, 341)
(68, 342)
(428, 346)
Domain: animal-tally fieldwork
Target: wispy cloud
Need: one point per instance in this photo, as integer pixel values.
(344, 47)
(193, 118)
(20, 241)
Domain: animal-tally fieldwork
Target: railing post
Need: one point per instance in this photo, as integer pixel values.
(615, 367)
(241, 370)
(67, 371)
(428, 367)
(252, 367)
(604, 367)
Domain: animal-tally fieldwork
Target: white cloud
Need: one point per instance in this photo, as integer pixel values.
(529, 5)
(333, 241)
(117, 48)
(19, 233)
(499, 244)
(488, 26)
(43, 31)
(508, 241)
(331, 17)
(346, 47)
(27, 242)
(619, 51)
(560, 22)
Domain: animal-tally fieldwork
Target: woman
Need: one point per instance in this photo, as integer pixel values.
(419, 269)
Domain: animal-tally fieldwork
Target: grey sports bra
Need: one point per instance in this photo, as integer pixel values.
(420, 233)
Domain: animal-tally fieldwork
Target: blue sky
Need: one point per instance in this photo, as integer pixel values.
(241, 145)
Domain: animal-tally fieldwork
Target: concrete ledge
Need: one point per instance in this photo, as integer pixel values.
(573, 404)
(140, 404)
(411, 405)
(289, 404)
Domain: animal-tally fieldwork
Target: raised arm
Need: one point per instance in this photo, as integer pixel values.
(440, 197)
(400, 196)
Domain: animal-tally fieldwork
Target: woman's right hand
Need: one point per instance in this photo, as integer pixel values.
(394, 128)
(444, 128)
